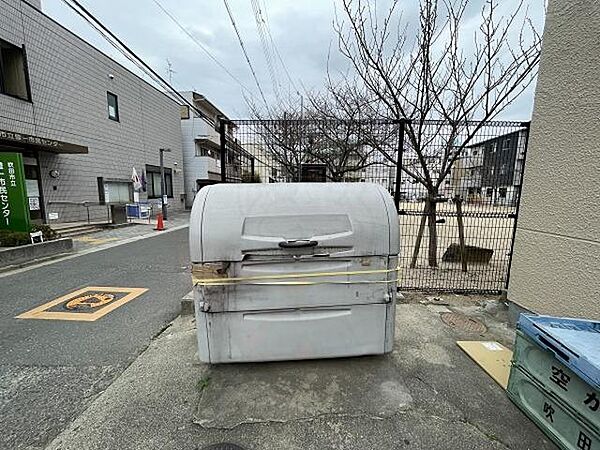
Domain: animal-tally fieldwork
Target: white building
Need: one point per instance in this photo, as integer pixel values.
(202, 145)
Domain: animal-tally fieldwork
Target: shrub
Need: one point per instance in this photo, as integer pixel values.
(9, 238)
(47, 232)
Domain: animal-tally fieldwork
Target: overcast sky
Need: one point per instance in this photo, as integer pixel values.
(302, 31)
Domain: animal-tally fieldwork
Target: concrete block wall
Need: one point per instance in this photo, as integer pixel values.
(556, 263)
(69, 81)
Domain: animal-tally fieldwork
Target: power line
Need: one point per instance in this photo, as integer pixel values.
(285, 69)
(80, 10)
(265, 47)
(262, 94)
(202, 46)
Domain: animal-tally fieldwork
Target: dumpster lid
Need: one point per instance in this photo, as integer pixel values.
(575, 342)
(230, 222)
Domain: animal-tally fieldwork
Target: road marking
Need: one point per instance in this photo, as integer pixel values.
(95, 241)
(91, 250)
(99, 300)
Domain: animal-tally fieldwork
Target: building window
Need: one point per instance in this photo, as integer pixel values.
(203, 151)
(184, 111)
(113, 106)
(506, 144)
(153, 181)
(475, 152)
(14, 78)
(502, 192)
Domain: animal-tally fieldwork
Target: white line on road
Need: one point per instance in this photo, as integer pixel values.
(91, 250)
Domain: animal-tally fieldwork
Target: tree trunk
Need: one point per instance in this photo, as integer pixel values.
(461, 231)
(413, 262)
(433, 244)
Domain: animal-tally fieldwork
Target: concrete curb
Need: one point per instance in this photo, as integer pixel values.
(187, 304)
(15, 256)
(35, 265)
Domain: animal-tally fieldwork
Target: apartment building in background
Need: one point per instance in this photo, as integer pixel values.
(81, 120)
(202, 146)
(489, 171)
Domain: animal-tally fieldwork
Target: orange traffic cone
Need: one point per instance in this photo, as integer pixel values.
(159, 222)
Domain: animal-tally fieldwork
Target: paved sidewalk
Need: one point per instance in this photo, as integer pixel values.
(427, 394)
(110, 236)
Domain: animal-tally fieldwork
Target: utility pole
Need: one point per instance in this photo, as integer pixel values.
(301, 137)
(163, 191)
(170, 71)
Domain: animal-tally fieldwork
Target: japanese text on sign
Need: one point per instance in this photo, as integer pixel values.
(549, 411)
(560, 378)
(14, 207)
(18, 137)
(584, 442)
(592, 401)
(4, 204)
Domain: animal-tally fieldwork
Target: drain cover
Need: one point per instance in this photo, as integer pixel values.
(463, 323)
(223, 446)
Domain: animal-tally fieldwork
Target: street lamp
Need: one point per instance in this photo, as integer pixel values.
(163, 193)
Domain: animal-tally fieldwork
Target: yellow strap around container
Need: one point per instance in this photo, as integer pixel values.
(259, 278)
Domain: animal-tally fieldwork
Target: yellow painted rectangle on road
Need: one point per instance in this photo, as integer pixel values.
(87, 304)
(94, 241)
(493, 357)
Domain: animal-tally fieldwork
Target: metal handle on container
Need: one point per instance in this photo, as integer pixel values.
(553, 348)
(298, 243)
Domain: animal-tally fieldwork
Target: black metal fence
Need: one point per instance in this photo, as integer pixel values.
(457, 186)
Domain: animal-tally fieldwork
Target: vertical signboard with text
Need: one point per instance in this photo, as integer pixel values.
(14, 206)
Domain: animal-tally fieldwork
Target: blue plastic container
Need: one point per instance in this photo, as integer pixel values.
(574, 342)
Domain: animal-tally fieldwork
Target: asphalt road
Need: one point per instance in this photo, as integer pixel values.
(50, 370)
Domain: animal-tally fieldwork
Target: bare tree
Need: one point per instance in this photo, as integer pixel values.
(284, 135)
(327, 131)
(447, 84)
(342, 137)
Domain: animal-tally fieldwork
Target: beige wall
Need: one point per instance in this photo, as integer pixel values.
(556, 265)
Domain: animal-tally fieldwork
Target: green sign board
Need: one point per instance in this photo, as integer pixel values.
(14, 207)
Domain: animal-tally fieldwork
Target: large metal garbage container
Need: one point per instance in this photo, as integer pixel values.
(294, 271)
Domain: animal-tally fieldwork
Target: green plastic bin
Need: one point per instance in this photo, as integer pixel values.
(555, 377)
(550, 414)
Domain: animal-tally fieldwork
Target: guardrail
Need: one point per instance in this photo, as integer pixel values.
(84, 211)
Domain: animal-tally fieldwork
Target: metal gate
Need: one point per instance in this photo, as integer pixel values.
(457, 186)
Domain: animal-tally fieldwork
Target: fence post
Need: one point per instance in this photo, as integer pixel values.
(527, 126)
(401, 124)
(461, 231)
(223, 142)
(252, 169)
